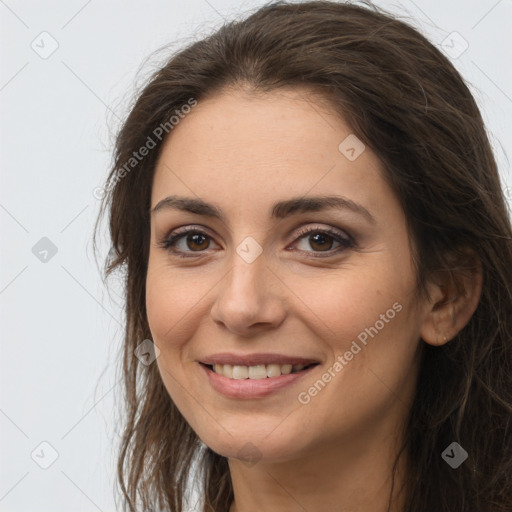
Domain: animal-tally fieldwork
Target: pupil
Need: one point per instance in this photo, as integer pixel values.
(195, 238)
(322, 238)
(318, 239)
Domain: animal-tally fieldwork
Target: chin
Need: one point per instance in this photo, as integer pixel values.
(253, 445)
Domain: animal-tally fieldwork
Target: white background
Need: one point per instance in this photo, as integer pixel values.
(61, 330)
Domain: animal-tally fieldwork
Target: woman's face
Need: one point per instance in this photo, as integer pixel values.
(279, 278)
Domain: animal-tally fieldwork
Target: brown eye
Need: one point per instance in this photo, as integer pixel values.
(197, 241)
(187, 242)
(184, 243)
(322, 240)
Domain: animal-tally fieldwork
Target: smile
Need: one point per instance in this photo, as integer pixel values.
(254, 379)
(261, 371)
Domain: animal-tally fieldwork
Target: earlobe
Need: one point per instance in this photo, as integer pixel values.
(454, 298)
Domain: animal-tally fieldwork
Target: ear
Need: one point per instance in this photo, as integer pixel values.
(455, 294)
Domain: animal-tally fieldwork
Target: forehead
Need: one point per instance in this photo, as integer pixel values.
(281, 126)
(248, 150)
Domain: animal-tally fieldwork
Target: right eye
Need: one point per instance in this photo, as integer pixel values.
(189, 239)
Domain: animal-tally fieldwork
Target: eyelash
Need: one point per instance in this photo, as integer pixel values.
(346, 242)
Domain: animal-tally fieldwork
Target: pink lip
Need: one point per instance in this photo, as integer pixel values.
(255, 359)
(251, 388)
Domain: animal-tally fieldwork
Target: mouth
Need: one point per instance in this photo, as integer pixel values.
(257, 372)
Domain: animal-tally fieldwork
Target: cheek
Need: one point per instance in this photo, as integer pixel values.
(341, 305)
(367, 318)
(161, 304)
(370, 375)
(170, 311)
(171, 300)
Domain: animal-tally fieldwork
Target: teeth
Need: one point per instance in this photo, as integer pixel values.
(260, 371)
(257, 372)
(273, 370)
(240, 372)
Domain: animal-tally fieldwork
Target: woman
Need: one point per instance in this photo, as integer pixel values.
(318, 251)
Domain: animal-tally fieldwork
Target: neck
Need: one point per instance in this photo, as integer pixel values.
(355, 476)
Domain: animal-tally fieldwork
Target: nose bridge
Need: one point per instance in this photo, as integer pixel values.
(247, 276)
(247, 294)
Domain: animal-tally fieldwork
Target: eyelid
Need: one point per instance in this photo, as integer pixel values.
(307, 227)
(177, 234)
(342, 237)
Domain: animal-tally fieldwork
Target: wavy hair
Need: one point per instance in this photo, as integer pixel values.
(405, 100)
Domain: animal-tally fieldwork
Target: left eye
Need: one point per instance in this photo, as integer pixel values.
(323, 240)
(197, 241)
(320, 240)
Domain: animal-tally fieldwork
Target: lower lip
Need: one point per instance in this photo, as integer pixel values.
(251, 388)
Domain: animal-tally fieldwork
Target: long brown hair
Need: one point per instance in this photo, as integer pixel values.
(405, 100)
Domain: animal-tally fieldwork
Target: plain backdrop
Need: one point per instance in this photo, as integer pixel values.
(68, 72)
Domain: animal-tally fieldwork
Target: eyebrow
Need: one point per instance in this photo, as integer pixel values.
(279, 210)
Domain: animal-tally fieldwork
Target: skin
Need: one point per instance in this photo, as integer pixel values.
(243, 152)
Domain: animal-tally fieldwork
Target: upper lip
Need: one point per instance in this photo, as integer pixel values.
(255, 359)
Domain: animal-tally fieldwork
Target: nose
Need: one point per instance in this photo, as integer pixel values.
(249, 299)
